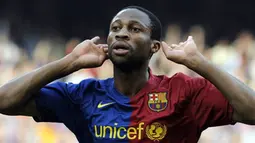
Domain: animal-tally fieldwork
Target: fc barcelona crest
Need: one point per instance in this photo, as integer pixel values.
(157, 101)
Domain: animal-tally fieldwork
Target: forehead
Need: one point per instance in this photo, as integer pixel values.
(132, 15)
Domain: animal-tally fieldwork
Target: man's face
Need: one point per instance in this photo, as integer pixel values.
(129, 38)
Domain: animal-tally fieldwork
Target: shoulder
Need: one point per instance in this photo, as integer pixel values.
(86, 84)
(76, 92)
(183, 79)
(93, 84)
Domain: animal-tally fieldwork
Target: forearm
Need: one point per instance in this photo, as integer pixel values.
(240, 96)
(19, 90)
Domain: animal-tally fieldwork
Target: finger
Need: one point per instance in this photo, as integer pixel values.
(174, 46)
(102, 46)
(95, 40)
(105, 50)
(170, 53)
(165, 47)
(107, 56)
(190, 38)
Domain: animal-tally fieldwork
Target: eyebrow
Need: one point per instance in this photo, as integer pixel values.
(133, 22)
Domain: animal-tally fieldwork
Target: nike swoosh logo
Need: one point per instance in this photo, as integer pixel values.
(101, 105)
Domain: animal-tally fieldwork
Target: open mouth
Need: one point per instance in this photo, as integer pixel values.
(120, 48)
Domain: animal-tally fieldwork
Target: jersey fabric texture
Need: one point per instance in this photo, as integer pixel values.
(175, 109)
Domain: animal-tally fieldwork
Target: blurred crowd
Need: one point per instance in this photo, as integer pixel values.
(236, 57)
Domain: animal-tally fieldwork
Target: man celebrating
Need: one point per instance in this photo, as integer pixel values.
(135, 105)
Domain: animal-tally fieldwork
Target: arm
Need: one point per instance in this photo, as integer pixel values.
(17, 96)
(240, 96)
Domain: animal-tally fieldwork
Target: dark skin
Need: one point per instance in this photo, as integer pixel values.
(131, 27)
(88, 54)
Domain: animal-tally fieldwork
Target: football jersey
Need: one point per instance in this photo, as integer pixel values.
(165, 110)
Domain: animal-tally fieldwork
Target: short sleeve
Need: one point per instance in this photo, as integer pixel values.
(208, 106)
(58, 101)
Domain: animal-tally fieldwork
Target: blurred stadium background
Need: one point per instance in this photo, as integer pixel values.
(33, 33)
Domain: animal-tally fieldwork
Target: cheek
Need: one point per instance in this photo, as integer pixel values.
(139, 38)
(143, 43)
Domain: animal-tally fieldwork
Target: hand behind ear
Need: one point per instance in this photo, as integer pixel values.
(89, 54)
(185, 53)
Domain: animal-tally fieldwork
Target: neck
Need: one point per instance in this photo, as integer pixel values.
(130, 82)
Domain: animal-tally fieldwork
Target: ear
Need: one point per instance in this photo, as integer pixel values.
(155, 46)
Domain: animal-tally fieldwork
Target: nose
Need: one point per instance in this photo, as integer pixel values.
(122, 35)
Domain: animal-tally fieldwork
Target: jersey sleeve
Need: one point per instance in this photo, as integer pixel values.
(58, 101)
(208, 106)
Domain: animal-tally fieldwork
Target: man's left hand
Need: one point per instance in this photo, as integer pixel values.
(185, 53)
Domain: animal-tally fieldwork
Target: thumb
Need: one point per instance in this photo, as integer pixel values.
(190, 38)
(170, 53)
(165, 48)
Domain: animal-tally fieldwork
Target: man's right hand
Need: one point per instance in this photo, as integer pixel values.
(17, 96)
(89, 54)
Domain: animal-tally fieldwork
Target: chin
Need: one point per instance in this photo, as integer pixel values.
(125, 64)
(119, 61)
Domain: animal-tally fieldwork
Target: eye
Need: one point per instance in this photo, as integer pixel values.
(135, 29)
(115, 28)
